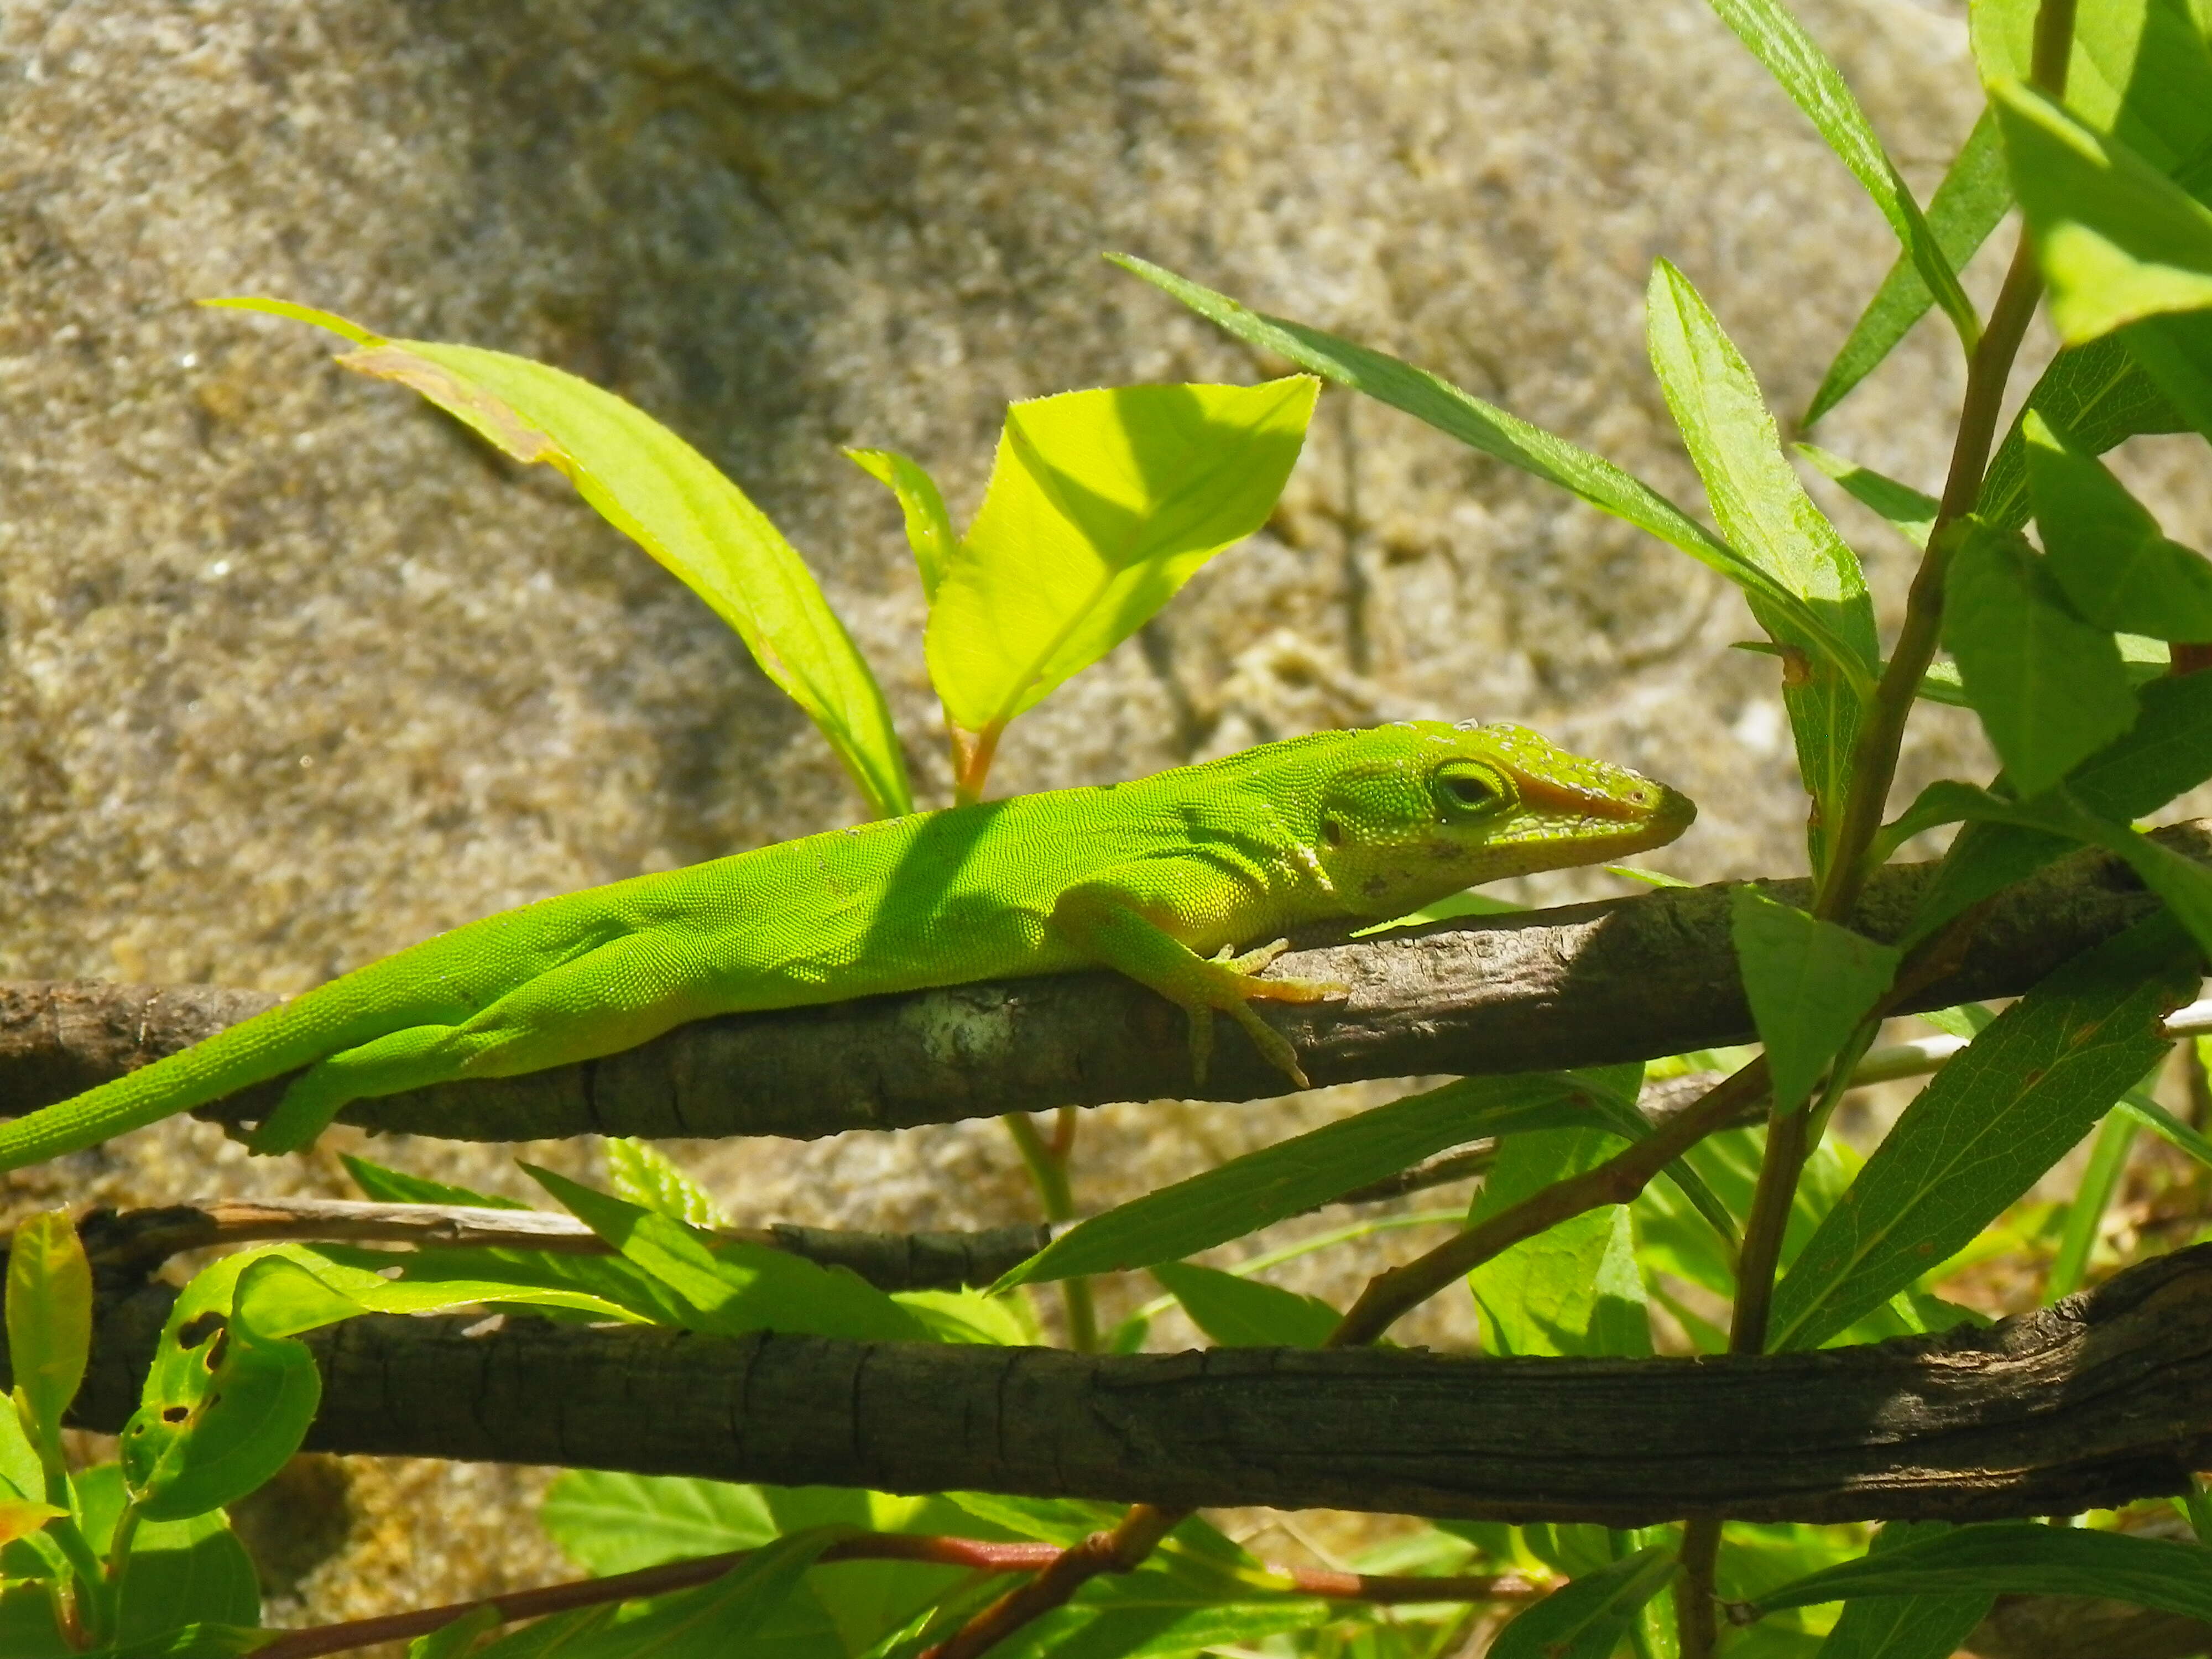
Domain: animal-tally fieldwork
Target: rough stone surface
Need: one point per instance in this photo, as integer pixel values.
(293, 671)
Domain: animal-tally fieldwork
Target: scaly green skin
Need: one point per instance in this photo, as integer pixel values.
(1160, 879)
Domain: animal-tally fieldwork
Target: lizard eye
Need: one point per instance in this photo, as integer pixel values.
(1465, 791)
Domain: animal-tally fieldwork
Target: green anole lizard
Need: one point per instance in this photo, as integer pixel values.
(1162, 878)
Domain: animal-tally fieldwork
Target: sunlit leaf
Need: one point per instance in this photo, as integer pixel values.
(1587, 1617)
(1505, 437)
(49, 1322)
(613, 1523)
(641, 1172)
(1101, 505)
(1246, 1313)
(1974, 195)
(1912, 513)
(1984, 1130)
(1572, 1289)
(2117, 569)
(929, 529)
(1905, 1626)
(660, 491)
(1779, 41)
(1809, 983)
(2050, 687)
(1291, 1176)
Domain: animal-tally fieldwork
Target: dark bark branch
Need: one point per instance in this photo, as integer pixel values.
(2103, 1399)
(1628, 979)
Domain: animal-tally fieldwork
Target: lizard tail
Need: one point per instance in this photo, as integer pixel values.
(279, 1040)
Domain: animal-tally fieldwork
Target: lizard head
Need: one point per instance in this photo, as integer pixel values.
(1410, 812)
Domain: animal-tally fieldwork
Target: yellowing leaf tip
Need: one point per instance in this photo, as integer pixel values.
(298, 313)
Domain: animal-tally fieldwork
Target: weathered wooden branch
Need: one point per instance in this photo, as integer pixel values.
(2104, 1398)
(1627, 979)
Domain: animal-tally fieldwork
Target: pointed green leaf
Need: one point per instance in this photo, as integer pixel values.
(673, 502)
(1905, 1626)
(1246, 1313)
(1779, 41)
(2097, 395)
(1975, 194)
(2119, 570)
(451, 1641)
(720, 1618)
(2085, 1211)
(2116, 238)
(1503, 437)
(1983, 1132)
(612, 1523)
(644, 1175)
(1573, 1289)
(1292, 1176)
(1101, 505)
(1810, 982)
(732, 1287)
(2175, 353)
(2020, 1558)
(49, 1323)
(1765, 512)
(1912, 513)
(2139, 69)
(2050, 687)
(181, 1572)
(2166, 753)
(1587, 1617)
(928, 527)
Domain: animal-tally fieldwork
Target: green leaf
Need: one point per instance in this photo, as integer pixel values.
(2166, 753)
(1246, 1313)
(733, 1288)
(612, 1523)
(1809, 982)
(2098, 394)
(390, 1186)
(1765, 512)
(551, 1637)
(2117, 238)
(1779, 41)
(928, 527)
(2138, 70)
(1975, 194)
(1503, 437)
(451, 1641)
(1588, 1617)
(1912, 513)
(674, 503)
(2049, 689)
(1148, 1614)
(48, 1324)
(641, 1173)
(192, 1642)
(1573, 1289)
(194, 1572)
(1984, 1130)
(1292, 1176)
(1905, 1626)
(2138, 1104)
(1101, 505)
(2020, 1558)
(2175, 352)
(719, 1618)
(2119, 570)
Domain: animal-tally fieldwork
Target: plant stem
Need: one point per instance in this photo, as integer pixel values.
(1122, 1550)
(1048, 1167)
(1696, 1629)
(1390, 1295)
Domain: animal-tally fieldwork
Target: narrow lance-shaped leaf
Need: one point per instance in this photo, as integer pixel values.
(1809, 983)
(1101, 505)
(1505, 437)
(2098, 395)
(735, 1287)
(929, 529)
(673, 502)
(1912, 512)
(2020, 1558)
(48, 1324)
(1587, 1617)
(1763, 509)
(2051, 689)
(1246, 1313)
(1262, 1188)
(1986, 1129)
(1922, 1627)
(1779, 40)
(2117, 569)
(1974, 195)
(2117, 238)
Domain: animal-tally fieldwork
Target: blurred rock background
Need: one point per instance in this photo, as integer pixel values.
(294, 671)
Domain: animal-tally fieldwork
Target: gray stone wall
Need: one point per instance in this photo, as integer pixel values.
(293, 671)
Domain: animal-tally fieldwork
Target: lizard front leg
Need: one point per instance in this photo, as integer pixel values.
(1122, 918)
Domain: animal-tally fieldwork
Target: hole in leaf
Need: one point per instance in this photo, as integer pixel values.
(197, 1331)
(175, 1414)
